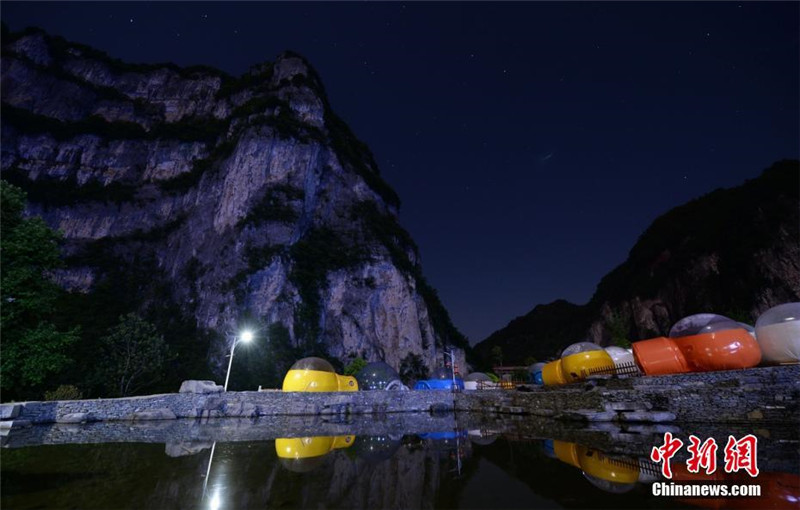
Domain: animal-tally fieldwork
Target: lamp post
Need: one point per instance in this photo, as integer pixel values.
(452, 367)
(246, 336)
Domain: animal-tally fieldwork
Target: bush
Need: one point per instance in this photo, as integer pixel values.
(275, 205)
(64, 392)
(412, 368)
(355, 366)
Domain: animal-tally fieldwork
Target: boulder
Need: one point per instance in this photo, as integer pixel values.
(241, 410)
(10, 411)
(155, 414)
(75, 418)
(200, 387)
(183, 449)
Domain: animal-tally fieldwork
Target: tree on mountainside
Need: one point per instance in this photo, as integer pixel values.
(497, 356)
(134, 356)
(33, 348)
(412, 368)
(618, 330)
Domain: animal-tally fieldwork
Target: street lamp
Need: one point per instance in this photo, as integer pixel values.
(245, 336)
(452, 367)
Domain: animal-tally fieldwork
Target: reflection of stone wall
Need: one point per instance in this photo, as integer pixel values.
(186, 434)
(244, 404)
(410, 478)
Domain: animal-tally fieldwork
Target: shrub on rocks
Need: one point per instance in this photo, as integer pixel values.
(64, 392)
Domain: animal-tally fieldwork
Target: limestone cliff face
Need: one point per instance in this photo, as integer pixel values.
(734, 251)
(236, 196)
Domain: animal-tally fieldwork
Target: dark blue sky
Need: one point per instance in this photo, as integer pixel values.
(531, 143)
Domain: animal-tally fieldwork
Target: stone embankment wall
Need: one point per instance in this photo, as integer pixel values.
(770, 395)
(241, 404)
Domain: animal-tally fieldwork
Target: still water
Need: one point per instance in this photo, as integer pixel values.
(503, 467)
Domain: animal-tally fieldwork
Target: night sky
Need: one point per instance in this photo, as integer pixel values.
(531, 143)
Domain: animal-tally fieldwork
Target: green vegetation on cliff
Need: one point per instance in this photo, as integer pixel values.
(34, 348)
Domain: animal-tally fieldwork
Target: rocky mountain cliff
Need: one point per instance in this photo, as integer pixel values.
(733, 251)
(190, 194)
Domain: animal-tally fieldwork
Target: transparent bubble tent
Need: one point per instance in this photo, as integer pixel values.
(317, 374)
(478, 380)
(778, 333)
(379, 376)
(620, 356)
(535, 373)
(478, 377)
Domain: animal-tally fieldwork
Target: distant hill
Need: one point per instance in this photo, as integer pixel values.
(732, 251)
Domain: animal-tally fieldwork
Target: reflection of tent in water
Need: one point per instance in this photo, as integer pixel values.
(317, 374)
(444, 435)
(303, 454)
(611, 475)
(482, 437)
(376, 449)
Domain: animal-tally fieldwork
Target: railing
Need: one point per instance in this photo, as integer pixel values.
(642, 465)
(629, 369)
(500, 385)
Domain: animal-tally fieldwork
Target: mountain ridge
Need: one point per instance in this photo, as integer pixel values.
(224, 200)
(732, 251)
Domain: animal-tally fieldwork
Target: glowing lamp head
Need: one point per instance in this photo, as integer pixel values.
(246, 336)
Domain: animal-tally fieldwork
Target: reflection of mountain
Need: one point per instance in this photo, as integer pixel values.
(555, 480)
(408, 479)
(372, 473)
(129, 475)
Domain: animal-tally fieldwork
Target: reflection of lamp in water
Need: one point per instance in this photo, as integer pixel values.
(304, 454)
(482, 437)
(208, 473)
(246, 336)
(215, 503)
